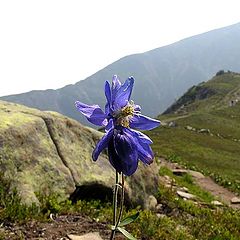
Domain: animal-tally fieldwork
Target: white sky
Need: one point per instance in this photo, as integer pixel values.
(49, 44)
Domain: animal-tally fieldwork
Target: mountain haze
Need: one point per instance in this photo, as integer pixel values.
(161, 75)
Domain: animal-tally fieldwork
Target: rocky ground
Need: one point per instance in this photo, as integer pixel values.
(62, 227)
(72, 226)
(206, 183)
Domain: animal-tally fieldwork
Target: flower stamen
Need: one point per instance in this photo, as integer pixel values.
(125, 114)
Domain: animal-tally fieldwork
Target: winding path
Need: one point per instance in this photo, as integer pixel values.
(206, 183)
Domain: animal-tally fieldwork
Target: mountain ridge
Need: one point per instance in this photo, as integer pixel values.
(161, 74)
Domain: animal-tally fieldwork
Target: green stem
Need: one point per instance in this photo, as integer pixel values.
(122, 202)
(115, 200)
(116, 220)
(115, 193)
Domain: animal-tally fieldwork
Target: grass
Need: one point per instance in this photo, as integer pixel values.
(216, 152)
(179, 219)
(187, 181)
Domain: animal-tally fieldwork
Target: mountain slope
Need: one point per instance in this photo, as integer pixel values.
(162, 74)
(202, 129)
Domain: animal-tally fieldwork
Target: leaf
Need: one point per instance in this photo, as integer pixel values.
(128, 219)
(126, 233)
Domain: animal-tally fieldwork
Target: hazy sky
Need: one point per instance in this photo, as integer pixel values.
(48, 44)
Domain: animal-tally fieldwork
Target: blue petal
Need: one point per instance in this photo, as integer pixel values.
(102, 144)
(116, 84)
(123, 94)
(123, 153)
(144, 138)
(145, 153)
(110, 125)
(108, 97)
(142, 122)
(93, 113)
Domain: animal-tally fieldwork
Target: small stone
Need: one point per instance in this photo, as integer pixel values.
(203, 130)
(196, 174)
(151, 203)
(159, 206)
(189, 128)
(186, 195)
(167, 178)
(184, 189)
(159, 215)
(216, 203)
(235, 200)
(88, 236)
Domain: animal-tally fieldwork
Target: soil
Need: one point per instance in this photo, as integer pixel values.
(57, 228)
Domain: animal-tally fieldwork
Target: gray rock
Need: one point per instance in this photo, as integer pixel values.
(216, 203)
(183, 189)
(48, 153)
(160, 215)
(186, 195)
(151, 203)
(203, 130)
(196, 174)
(159, 206)
(88, 236)
(235, 200)
(189, 128)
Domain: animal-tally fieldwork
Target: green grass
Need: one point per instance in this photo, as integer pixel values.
(215, 153)
(187, 181)
(180, 220)
(186, 220)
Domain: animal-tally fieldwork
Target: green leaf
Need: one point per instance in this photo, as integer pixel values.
(126, 233)
(128, 219)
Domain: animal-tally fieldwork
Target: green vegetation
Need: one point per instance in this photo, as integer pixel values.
(176, 220)
(187, 181)
(206, 135)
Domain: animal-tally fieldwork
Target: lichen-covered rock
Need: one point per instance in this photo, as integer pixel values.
(48, 153)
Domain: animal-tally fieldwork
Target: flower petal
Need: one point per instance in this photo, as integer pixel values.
(102, 144)
(144, 138)
(93, 113)
(116, 84)
(142, 122)
(110, 125)
(123, 94)
(123, 153)
(108, 95)
(145, 153)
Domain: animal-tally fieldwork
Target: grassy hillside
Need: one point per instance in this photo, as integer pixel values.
(202, 129)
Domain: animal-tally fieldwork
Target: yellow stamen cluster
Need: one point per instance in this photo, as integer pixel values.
(125, 115)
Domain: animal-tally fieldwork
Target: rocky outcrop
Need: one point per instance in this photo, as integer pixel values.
(48, 153)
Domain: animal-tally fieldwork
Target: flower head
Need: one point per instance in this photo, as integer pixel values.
(125, 145)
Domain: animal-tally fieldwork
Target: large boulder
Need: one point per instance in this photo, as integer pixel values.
(47, 153)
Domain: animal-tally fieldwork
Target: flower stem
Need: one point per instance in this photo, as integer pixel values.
(121, 203)
(117, 219)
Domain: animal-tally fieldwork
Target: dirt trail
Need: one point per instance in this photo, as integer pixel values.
(206, 183)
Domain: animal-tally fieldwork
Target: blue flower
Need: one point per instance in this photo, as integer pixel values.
(125, 145)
